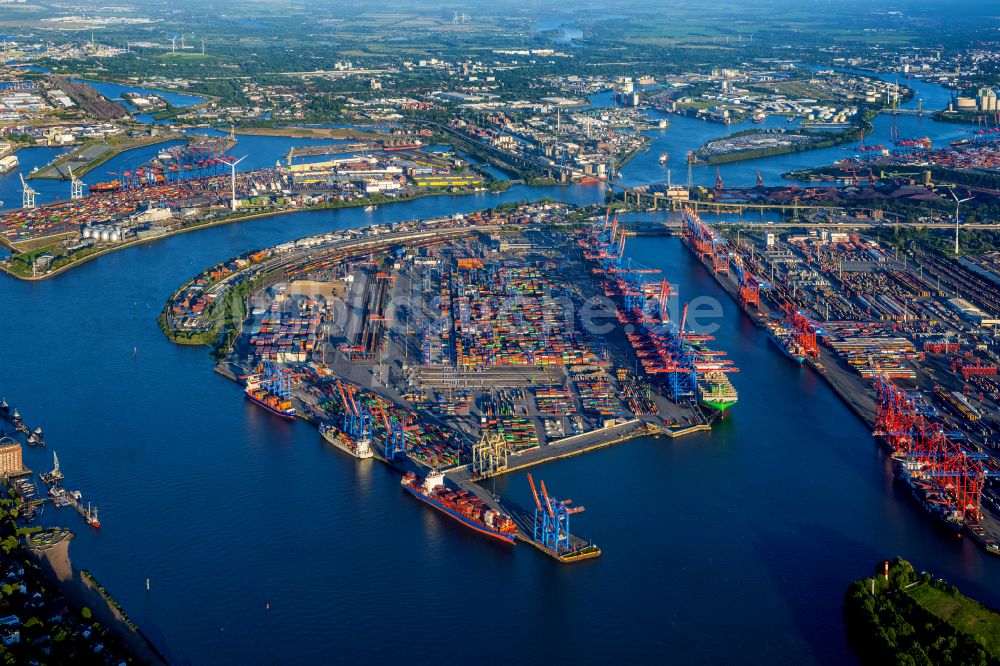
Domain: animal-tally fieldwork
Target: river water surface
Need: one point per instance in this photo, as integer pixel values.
(734, 546)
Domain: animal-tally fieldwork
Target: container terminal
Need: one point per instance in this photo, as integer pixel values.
(456, 350)
(902, 337)
(198, 183)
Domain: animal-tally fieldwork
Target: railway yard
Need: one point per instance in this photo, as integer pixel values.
(472, 346)
(906, 337)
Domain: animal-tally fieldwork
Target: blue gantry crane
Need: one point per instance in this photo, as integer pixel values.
(551, 526)
(395, 436)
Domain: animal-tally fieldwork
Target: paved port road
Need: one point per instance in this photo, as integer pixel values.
(442, 377)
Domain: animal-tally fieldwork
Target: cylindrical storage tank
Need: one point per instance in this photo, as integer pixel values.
(105, 235)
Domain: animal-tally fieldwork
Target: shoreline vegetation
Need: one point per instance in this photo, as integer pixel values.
(51, 613)
(912, 618)
(820, 140)
(83, 591)
(307, 132)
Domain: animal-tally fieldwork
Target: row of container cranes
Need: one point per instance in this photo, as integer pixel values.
(692, 373)
(944, 475)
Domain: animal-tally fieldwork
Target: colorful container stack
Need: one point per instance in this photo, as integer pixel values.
(554, 401)
(519, 432)
(284, 338)
(866, 349)
(637, 395)
(598, 398)
(510, 315)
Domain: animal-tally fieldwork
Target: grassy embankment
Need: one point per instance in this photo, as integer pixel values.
(308, 132)
(914, 619)
(821, 140)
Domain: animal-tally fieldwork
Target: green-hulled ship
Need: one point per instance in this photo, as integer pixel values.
(716, 391)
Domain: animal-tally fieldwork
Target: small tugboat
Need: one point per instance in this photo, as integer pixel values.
(4, 408)
(91, 516)
(663, 158)
(18, 423)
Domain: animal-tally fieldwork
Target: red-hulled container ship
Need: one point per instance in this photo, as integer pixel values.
(278, 406)
(390, 147)
(460, 505)
(109, 186)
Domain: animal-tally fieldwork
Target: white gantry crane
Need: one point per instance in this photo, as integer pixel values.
(76, 186)
(28, 195)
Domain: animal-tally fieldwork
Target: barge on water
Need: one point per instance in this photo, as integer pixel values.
(360, 448)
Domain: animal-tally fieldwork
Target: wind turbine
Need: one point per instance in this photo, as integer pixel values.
(28, 196)
(232, 166)
(173, 44)
(958, 202)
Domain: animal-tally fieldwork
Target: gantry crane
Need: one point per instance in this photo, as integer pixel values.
(551, 525)
(395, 436)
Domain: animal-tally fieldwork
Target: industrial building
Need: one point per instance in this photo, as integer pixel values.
(10, 458)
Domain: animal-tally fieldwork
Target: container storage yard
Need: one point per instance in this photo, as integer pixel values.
(454, 350)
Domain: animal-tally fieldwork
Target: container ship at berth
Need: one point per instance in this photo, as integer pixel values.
(460, 505)
(109, 186)
(716, 391)
(690, 371)
(788, 345)
(930, 496)
(361, 448)
(391, 147)
(256, 393)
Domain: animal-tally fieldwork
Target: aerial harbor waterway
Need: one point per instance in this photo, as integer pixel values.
(228, 510)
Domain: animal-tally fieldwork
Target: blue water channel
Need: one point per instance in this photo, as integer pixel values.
(734, 546)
